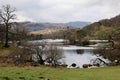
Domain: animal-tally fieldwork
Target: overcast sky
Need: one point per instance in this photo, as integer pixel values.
(58, 11)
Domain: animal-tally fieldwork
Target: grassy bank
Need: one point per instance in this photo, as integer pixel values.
(35, 73)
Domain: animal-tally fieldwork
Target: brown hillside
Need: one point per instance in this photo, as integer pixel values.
(113, 22)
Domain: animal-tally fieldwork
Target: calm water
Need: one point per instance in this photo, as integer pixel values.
(79, 55)
(75, 54)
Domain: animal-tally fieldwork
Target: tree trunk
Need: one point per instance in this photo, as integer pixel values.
(6, 37)
(41, 61)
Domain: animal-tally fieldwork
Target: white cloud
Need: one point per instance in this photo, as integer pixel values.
(64, 10)
(21, 18)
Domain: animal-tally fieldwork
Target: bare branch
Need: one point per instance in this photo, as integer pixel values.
(6, 16)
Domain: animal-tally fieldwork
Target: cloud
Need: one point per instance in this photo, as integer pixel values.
(64, 10)
(21, 18)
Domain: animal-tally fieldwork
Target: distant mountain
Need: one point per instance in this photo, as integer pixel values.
(78, 24)
(41, 26)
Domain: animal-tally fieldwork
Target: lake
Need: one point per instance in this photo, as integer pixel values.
(76, 54)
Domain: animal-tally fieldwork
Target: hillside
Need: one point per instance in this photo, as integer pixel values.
(55, 33)
(41, 26)
(47, 31)
(108, 23)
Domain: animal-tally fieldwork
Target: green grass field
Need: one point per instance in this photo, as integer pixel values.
(41, 73)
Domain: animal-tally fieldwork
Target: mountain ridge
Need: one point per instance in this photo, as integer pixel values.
(33, 26)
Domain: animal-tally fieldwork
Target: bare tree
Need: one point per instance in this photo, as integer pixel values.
(54, 55)
(6, 16)
(47, 54)
(40, 50)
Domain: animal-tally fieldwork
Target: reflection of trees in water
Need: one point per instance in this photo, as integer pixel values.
(80, 51)
(84, 51)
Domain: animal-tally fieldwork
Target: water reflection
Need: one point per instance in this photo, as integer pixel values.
(79, 57)
(79, 51)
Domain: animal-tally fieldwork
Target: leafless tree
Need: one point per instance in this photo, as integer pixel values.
(47, 54)
(54, 55)
(6, 16)
(40, 50)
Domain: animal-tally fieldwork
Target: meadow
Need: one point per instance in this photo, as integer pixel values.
(47, 73)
